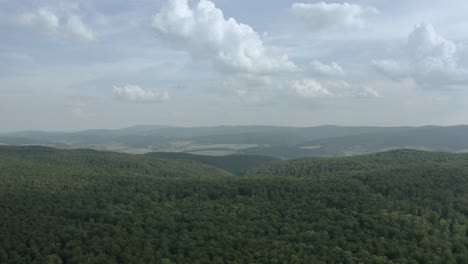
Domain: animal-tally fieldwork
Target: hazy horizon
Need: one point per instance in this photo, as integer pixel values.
(219, 125)
(83, 64)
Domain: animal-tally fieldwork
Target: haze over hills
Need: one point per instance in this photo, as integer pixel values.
(276, 141)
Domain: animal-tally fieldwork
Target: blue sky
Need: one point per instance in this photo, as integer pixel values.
(71, 65)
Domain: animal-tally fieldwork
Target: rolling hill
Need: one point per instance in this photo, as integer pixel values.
(405, 159)
(237, 164)
(87, 206)
(68, 162)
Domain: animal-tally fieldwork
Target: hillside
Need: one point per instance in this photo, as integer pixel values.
(453, 139)
(411, 160)
(71, 162)
(237, 164)
(85, 206)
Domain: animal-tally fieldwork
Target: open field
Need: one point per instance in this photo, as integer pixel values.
(190, 146)
(212, 152)
(310, 147)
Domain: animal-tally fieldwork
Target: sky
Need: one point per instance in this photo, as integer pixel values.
(74, 65)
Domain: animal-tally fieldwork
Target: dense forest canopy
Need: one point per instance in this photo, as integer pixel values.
(85, 206)
(237, 164)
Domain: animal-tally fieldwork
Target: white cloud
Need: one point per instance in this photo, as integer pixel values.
(341, 88)
(44, 19)
(332, 69)
(431, 60)
(77, 28)
(433, 57)
(310, 88)
(206, 34)
(424, 42)
(135, 93)
(333, 16)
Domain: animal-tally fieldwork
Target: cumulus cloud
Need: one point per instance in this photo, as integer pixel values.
(135, 93)
(333, 16)
(310, 88)
(432, 55)
(44, 19)
(332, 69)
(205, 33)
(430, 60)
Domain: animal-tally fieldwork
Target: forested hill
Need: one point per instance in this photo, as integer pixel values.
(83, 206)
(394, 159)
(98, 162)
(237, 164)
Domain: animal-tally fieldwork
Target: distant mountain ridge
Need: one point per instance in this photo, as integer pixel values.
(276, 141)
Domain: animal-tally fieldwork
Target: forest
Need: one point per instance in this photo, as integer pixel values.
(87, 206)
